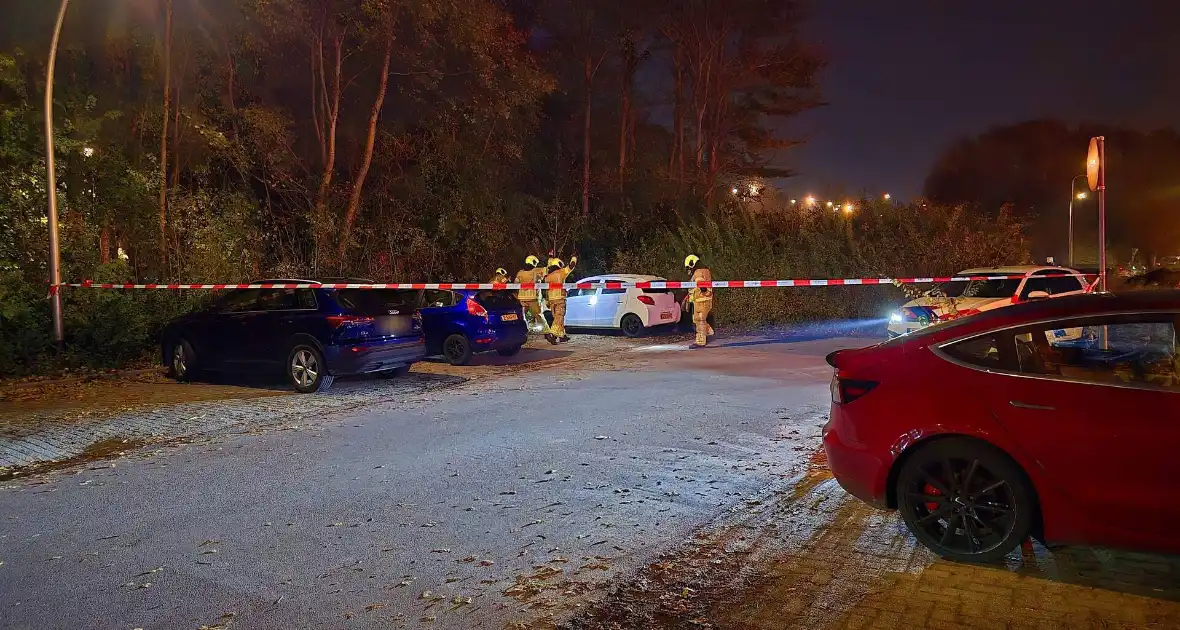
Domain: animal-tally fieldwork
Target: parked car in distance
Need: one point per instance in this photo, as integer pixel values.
(1160, 278)
(630, 310)
(461, 323)
(952, 300)
(311, 335)
(987, 429)
(1171, 263)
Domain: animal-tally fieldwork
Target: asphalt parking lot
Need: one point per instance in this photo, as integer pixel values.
(609, 483)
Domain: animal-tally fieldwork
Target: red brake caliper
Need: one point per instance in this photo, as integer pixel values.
(929, 489)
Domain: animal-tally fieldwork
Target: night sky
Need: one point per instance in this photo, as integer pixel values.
(906, 77)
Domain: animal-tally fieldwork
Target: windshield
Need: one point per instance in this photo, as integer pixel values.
(976, 288)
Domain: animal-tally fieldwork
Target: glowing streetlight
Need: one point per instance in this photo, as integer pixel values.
(735, 190)
(753, 189)
(1083, 195)
(794, 201)
(87, 151)
(810, 200)
(888, 196)
(849, 208)
(829, 204)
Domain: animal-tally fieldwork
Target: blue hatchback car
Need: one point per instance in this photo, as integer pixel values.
(313, 335)
(460, 323)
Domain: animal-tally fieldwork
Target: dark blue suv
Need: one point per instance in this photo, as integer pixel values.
(461, 323)
(313, 335)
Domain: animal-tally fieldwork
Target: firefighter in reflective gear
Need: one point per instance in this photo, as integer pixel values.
(557, 272)
(500, 277)
(530, 299)
(701, 298)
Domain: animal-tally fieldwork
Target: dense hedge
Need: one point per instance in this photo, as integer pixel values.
(108, 328)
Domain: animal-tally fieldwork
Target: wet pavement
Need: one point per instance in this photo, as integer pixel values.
(605, 484)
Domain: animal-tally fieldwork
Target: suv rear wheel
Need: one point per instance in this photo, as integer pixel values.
(182, 361)
(306, 369)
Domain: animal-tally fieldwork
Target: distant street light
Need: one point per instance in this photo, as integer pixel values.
(849, 208)
(888, 196)
(829, 204)
(735, 190)
(810, 200)
(793, 201)
(1072, 196)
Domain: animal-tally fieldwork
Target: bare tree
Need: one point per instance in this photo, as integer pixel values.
(166, 113)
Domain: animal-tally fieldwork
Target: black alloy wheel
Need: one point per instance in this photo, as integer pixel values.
(457, 350)
(965, 500)
(631, 325)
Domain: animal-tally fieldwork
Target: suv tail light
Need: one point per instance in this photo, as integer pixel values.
(647, 299)
(846, 390)
(476, 309)
(337, 321)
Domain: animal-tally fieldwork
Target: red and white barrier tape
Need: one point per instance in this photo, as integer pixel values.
(655, 284)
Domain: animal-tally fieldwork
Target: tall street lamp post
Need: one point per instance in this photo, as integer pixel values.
(51, 186)
(1072, 196)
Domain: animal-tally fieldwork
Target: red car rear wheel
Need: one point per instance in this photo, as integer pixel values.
(965, 500)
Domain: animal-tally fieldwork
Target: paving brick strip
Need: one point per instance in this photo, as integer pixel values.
(37, 438)
(57, 435)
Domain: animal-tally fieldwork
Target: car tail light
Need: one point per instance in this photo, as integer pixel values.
(846, 390)
(340, 320)
(476, 309)
(647, 299)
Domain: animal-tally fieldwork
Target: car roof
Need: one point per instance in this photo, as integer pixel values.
(314, 281)
(1012, 269)
(622, 277)
(1081, 305)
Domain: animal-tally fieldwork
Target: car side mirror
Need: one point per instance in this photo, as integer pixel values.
(1038, 295)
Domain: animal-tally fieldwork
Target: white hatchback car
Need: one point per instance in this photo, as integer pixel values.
(962, 298)
(631, 310)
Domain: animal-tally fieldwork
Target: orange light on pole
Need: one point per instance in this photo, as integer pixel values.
(1096, 178)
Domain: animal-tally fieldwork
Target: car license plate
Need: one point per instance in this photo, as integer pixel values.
(665, 315)
(510, 317)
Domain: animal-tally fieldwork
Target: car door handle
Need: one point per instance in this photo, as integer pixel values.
(1024, 405)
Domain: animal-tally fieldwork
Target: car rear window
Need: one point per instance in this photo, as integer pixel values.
(497, 299)
(978, 288)
(377, 301)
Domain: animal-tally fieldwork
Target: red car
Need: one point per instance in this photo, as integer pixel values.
(1058, 419)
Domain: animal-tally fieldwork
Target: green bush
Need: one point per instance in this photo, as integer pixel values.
(104, 328)
(879, 240)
